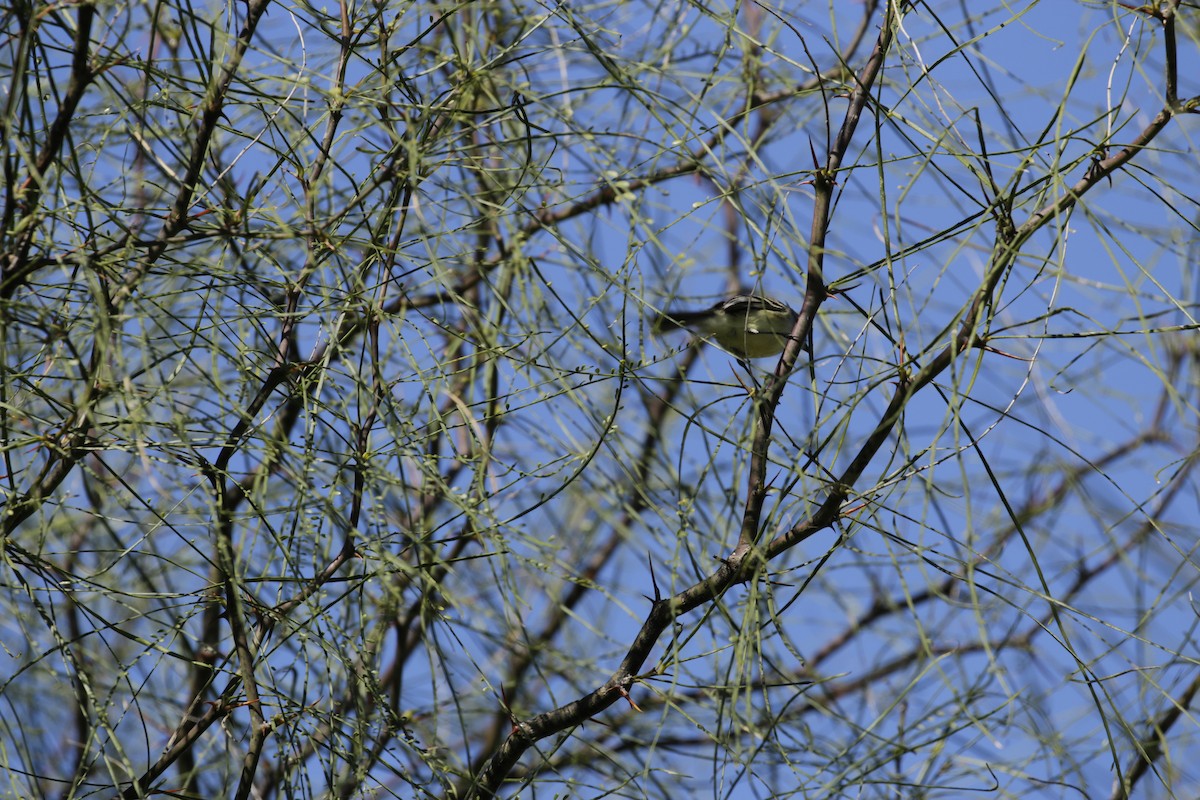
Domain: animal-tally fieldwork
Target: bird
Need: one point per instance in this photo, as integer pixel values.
(745, 326)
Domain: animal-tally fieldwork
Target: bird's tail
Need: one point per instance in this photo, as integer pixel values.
(674, 320)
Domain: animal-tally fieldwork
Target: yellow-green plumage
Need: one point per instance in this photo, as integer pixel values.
(745, 326)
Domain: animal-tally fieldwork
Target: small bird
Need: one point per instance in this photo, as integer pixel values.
(745, 326)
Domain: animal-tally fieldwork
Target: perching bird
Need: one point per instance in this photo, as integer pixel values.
(745, 326)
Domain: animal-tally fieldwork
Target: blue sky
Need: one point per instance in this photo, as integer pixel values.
(614, 93)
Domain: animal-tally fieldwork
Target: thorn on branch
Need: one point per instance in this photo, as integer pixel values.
(653, 581)
(823, 177)
(512, 718)
(988, 348)
(1096, 168)
(625, 693)
(845, 512)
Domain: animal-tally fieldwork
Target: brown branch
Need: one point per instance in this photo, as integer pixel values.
(815, 292)
(742, 565)
(737, 569)
(29, 194)
(1154, 745)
